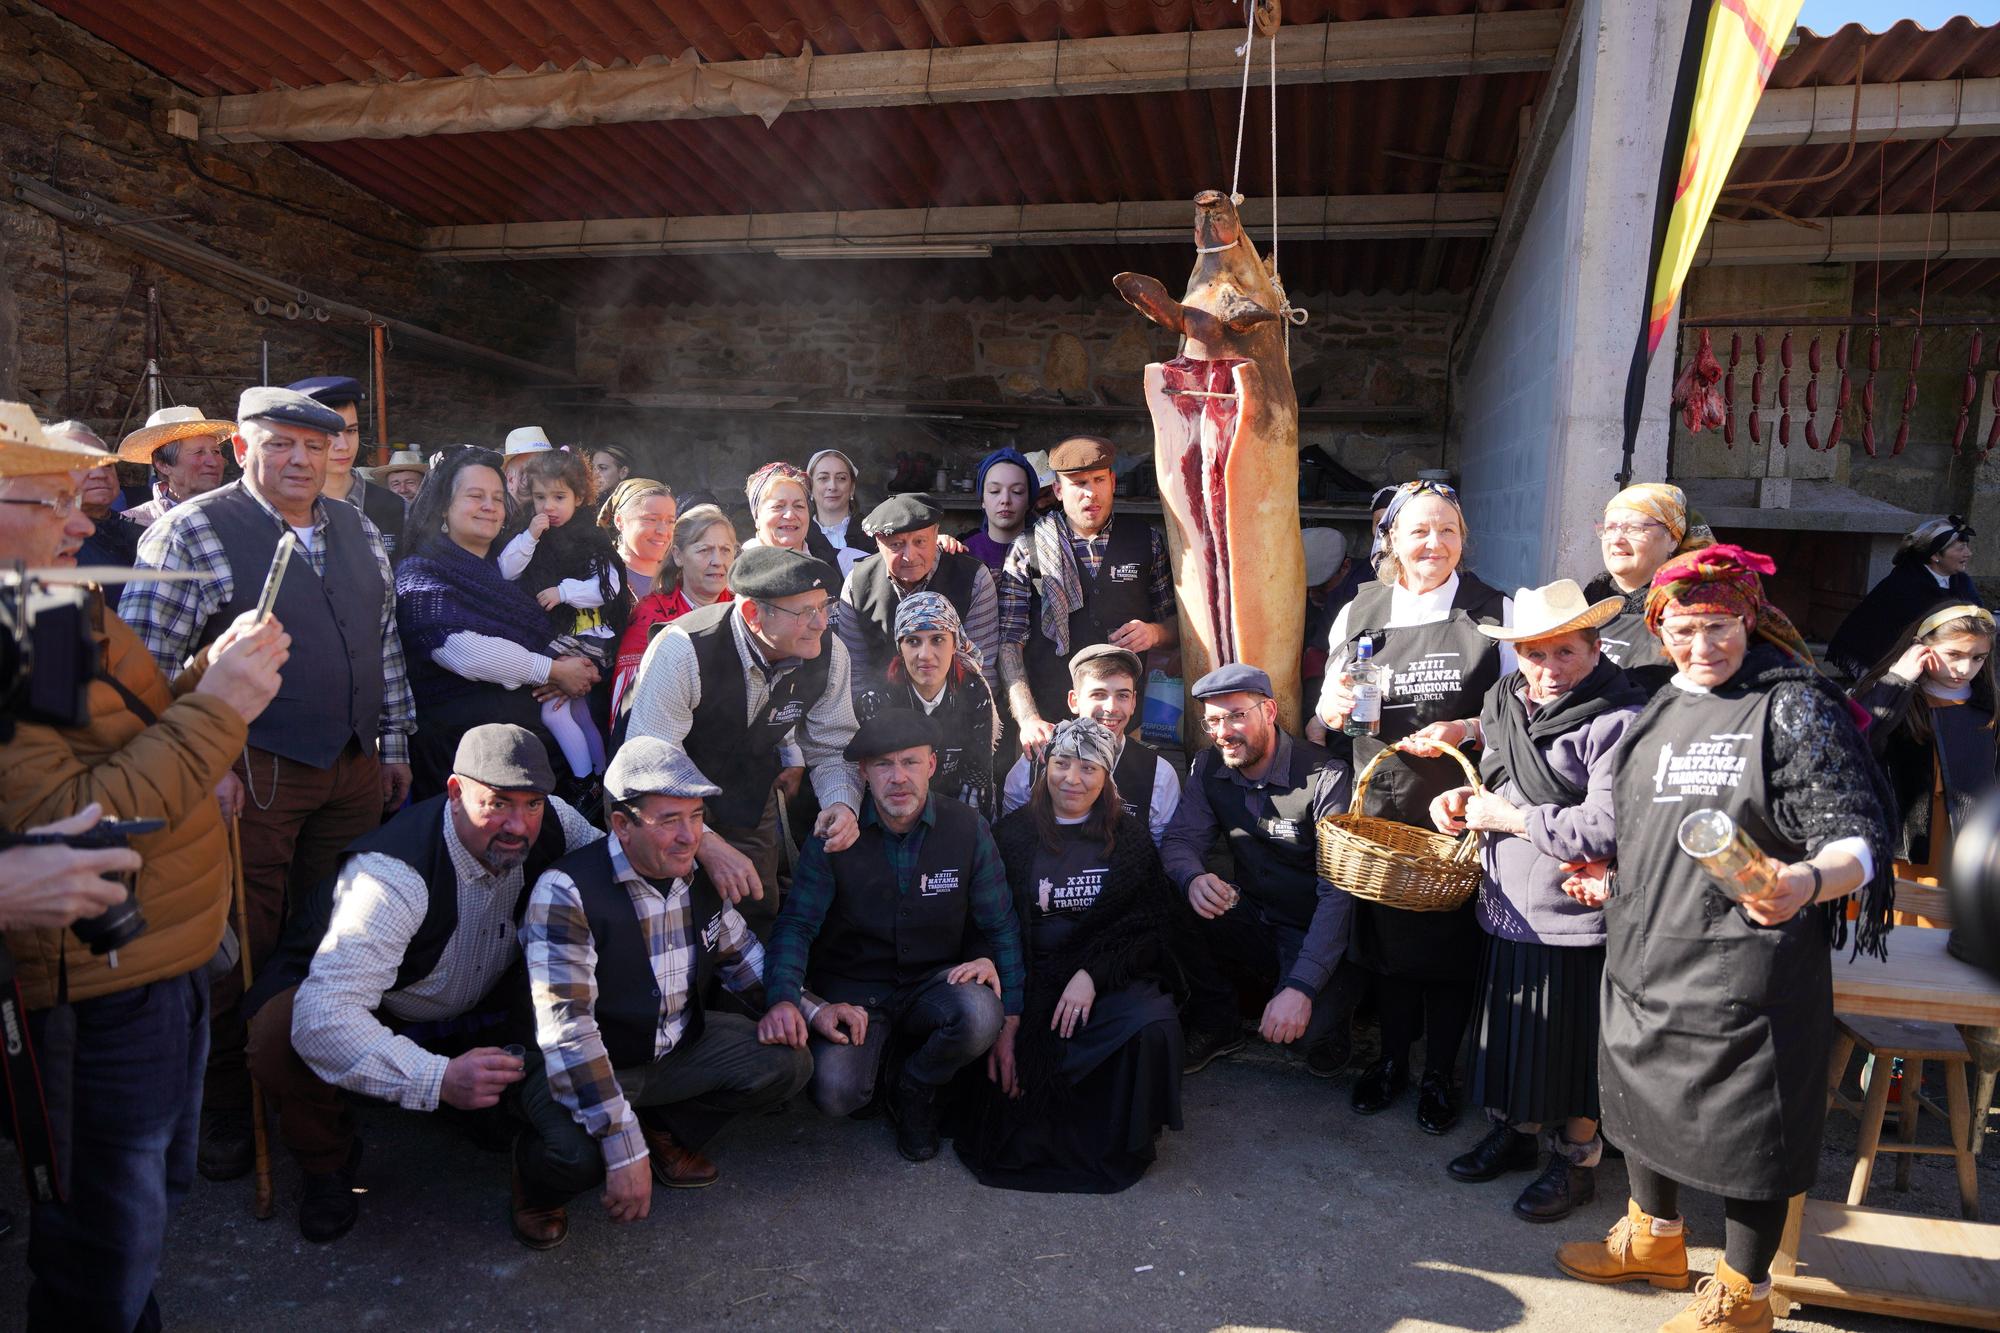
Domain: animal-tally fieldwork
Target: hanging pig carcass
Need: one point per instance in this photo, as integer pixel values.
(1226, 451)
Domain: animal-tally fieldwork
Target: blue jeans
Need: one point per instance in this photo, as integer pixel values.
(125, 1121)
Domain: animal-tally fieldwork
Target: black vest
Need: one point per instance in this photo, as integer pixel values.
(872, 598)
(1441, 673)
(821, 547)
(331, 690)
(415, 836)
(1121, 590)
(738, 754)
(1274, 852)
(627, 1012)
(874, 933)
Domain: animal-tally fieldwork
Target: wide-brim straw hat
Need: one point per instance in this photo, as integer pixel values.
(1542, 613)
(26, 452)
(167, 426)
(402, 460)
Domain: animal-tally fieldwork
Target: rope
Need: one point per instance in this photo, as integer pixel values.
(1287, 312)
(1243, 101)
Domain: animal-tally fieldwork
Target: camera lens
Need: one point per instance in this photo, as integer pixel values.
(113, 928)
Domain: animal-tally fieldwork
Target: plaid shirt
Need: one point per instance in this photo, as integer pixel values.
(1017, 576)
(169, 617)
(562, 972)
(813, 887)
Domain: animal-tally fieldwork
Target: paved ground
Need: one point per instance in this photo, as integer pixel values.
(1276, 1208)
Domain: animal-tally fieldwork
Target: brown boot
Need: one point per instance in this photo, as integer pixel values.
(1631, 1253)
(1723, 1301)
(677, 1167)
(538, 1228)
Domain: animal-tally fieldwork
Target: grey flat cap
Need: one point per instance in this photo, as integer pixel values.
(1097, 652)
(1235, 678)
(504, 757)
(288, 407)
(648, 766)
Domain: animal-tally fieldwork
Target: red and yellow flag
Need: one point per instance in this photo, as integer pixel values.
(1741, 45)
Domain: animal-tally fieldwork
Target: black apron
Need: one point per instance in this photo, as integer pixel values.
(1716, 1031)
(1441, 673)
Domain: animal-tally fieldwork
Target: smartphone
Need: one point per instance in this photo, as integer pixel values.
(276, 578)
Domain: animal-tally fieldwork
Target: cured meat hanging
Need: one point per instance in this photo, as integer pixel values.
(1226, 454)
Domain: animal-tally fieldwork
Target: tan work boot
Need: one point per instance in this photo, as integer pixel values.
(1723, 1301)
(1631, 1253)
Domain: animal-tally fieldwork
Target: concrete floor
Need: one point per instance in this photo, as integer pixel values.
(1276, 1208)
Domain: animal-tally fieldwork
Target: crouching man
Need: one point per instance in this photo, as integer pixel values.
(399, 979)
(882, 929)
(623, 940)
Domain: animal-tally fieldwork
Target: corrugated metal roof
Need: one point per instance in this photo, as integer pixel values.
(1958, 49)
(1952, 175)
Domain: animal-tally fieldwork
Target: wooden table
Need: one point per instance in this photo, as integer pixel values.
(1875, 1259)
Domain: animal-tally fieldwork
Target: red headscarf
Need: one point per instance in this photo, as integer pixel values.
(1723, 580)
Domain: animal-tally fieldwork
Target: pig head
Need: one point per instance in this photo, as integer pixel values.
(1225, 449)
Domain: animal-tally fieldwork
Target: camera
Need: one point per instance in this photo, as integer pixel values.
(48, 656)
(1973, 887)
(121, 923)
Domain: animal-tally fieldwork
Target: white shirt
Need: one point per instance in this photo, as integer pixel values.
(836, 533)
(1410, 608)
(1166, 792)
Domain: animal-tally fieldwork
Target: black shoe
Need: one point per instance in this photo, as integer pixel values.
(1557, 1192)
(1207, 1045)
(227, 1151)
(1503, 1149)
(1437, 1110)
(1378, 1085)
(1329, 1055)
(328, 1206)
(914, 1109)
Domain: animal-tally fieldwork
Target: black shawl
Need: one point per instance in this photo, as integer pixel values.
(579, 549)
(1906, 595)
(1959, 744)
(1517, 744)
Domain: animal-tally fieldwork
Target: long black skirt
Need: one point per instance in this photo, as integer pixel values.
(1535, 1057)
(442, 724)
(1095, 1135)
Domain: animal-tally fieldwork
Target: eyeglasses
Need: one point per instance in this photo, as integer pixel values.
(1235, 717)
(1714, 631)
(1630, 531)
(818, 615)
(63, 505)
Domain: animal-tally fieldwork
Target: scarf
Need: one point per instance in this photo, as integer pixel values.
(1062, 581)
(924, 611)
(1517, 743)
(1667, 506)
(1084, 738)
(1723, 580)
(445, 589)
(629, 491)
(762, 479)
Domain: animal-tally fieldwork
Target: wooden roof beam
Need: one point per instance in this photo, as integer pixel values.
(1934, 109)
(1404, 48)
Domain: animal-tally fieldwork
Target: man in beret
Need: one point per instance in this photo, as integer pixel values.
(385, 508)
(330, 756)
(1263, 792)
(908, 559)
(730, 684)
(637, 1074)
(1106, 686)
(881, 931)
(398, 979)
(1074, 579)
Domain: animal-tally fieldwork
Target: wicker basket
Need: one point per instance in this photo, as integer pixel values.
(1393, 863)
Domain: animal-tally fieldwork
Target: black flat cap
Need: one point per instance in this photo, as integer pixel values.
(1235, 678)
(1083, 453)
(901, 513)
(332, 390)
(888, 731)
(288, 407)
(504, 757)
(768, 572)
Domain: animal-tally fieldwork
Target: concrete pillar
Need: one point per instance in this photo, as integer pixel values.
(1541, 427)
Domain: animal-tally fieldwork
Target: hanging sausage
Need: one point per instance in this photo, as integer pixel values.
(1785, 391)
(1729, 391)
(1812, 393)
(1909, 393)
(1868, 392)
(1757, 393)
(1969, 391)
(1845, 393)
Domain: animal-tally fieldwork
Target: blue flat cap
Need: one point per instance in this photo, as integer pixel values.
(649, 766)
(901, 513)
(1235, 678)
(287, 407)
(770, 572)
(332, 390)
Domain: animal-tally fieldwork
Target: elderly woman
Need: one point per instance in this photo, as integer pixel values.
(835, 535)
(640, 513)
(1548, 737)
(1424, 616)
(1098, 1062)
(479, 645)
(1718, 1014)
(1643, 527)
(1928, 572)
(704, 547)
(934, 672)
(780, 506)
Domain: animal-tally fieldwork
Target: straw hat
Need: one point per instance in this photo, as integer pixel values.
(402, 460)
(26, 452)
(165, 427)
(1541, 613)
(526, 440)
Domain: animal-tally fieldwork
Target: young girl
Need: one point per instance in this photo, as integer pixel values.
(569, 564)
(1932, 700)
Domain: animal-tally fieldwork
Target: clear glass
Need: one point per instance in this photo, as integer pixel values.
(1736, 864)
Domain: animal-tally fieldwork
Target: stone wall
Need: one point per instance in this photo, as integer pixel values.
(81, 116)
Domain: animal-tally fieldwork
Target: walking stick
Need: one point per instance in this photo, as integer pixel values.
(264, 1206)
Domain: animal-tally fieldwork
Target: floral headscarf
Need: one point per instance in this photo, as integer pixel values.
(1668, 506)
(1723, 580)
(1085, 738)
(924, 611)
(761, 480)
